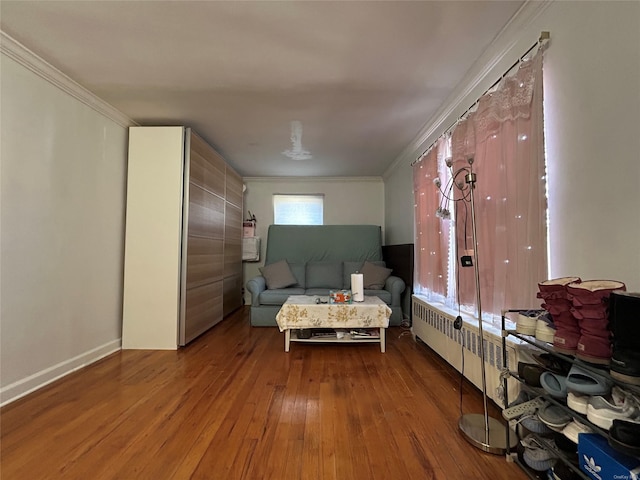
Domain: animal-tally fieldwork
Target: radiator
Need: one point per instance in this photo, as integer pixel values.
(434, 326)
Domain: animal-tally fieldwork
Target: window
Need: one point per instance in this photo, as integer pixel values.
(300, 209)
(503, 139)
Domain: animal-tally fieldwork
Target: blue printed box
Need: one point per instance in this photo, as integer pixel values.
(602, 462)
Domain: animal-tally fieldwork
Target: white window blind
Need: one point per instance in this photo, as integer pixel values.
(299, 209)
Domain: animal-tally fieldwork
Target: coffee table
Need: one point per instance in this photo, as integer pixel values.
(303, 311)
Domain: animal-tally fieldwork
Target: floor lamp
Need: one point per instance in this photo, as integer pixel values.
(482, 431)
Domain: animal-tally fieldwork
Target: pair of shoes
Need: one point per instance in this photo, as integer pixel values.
(581, 317)
(565, 445)
(536, 456)
(554, 417)
(585, 381)
(578, 402)
(573, 430)
(624, 436)
(602, 412)
(545, 329)
(554, 295)
(552, 363)
(590, 307)
(529, 420)
(624, 310)
(561, 471)
(554, 384)
(527, 321)
(535, 425)
(530, 373)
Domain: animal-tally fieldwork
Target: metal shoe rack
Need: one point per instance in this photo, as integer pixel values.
(583, 419)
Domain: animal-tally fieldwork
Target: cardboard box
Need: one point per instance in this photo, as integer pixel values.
(600, 461)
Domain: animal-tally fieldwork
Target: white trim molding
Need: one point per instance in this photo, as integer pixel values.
(28, 59)
(504, 50)
(24, 386)
(312, 179)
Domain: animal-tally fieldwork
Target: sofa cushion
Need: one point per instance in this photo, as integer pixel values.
(324, 275)
(355, 267)
(383, 295)
(278, 296)
(299, 271)
(374, 276)
(347, 269)
(322, 292)
(278, 275)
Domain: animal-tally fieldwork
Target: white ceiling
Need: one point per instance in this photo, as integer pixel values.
(354, 81)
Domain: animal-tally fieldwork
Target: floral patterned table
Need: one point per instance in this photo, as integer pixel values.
(303, 311)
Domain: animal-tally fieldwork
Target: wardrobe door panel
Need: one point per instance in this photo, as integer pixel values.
(232, 259)
(206, 213)
(234, 188)
(232, 241)
(207, 167)
(232, 294)
(204, 261)
(203, 309)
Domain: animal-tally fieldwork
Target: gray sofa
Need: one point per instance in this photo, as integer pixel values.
(321, 258)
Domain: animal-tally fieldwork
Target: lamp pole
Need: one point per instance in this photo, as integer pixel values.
(482, 431)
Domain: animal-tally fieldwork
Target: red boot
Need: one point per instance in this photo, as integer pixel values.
(590, 302)
(556, 302)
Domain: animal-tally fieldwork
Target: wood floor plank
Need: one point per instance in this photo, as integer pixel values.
(233, 405)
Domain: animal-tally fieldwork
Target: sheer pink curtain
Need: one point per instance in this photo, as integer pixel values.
(432, 232)
(504, 136)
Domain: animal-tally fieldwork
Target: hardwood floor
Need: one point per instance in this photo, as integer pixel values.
(234, 405)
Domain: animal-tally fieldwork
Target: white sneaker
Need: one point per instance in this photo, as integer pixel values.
(527, 321)
(578, 402)
(545, 330)
(602, 412)
(574, 429)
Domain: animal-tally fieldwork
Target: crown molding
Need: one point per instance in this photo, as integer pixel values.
(313, 179)
(28, 59)
(507, 46)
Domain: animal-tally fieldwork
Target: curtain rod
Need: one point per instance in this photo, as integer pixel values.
(543, 36)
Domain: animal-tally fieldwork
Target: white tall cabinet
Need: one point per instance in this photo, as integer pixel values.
(183, 261)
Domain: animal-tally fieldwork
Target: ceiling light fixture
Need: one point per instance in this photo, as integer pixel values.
(296, 152)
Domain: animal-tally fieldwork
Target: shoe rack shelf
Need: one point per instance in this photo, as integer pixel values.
(526, 470)
(545, 443)
(549, 349)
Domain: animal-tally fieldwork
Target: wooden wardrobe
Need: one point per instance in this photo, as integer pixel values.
(183, 239)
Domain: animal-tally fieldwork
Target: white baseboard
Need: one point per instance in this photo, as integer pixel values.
(44, 377)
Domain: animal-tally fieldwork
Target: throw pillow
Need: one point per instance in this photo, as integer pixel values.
(374, 276)
(278, 275)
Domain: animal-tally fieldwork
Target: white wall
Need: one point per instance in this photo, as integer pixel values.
(398, 203)
(63, 167)
(347, 201)
(592, 125)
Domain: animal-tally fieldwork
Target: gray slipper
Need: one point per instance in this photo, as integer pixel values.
(554, 384)
(585, 381)
(554, 417)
